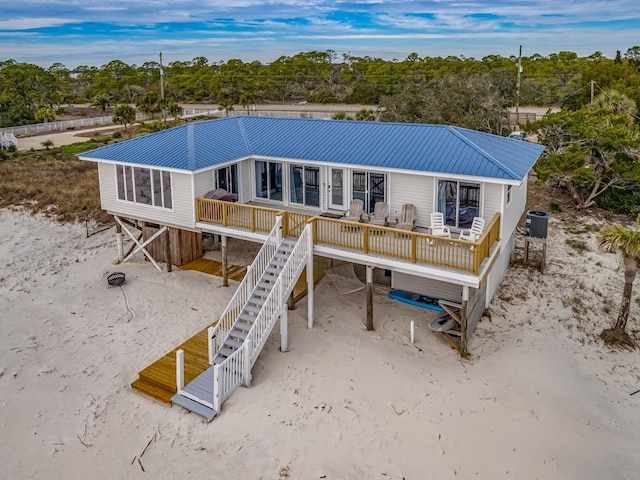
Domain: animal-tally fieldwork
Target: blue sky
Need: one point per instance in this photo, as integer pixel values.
(91, 32)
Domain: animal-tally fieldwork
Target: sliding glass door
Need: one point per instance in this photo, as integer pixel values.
(268, 180)
(459, 202)
(304, 185)
(370, 187)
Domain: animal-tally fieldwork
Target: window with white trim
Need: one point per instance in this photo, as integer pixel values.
(146, 186)
(227, 179)
(509, 187)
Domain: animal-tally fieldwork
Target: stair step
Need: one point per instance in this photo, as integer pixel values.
(245, 317)
(259, 301)
(195, 407)
(266, 286)
(225, 351)
(282, 255)
(251, 309)
(232, 343)
(239, 334)
(274, 269)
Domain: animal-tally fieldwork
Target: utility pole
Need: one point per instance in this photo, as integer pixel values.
(518, 86)
(592, 89)
(164, 110)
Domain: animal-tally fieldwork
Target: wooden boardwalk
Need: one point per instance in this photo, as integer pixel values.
(158, 380)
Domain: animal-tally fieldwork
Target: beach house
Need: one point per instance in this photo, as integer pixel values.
(435, 206)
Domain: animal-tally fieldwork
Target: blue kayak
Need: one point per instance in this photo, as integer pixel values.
(415, 299)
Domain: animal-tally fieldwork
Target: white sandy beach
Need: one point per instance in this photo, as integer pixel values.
(540, 398)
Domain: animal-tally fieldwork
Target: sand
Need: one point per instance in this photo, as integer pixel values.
(540, 398)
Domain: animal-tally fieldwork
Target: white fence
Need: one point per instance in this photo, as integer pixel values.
(78, 124)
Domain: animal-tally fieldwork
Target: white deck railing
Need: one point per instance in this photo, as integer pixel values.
(236, 369)
(7, 139)
(244, 290)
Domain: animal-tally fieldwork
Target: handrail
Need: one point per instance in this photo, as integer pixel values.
(236, 368)
(415, 247)
(250, 280)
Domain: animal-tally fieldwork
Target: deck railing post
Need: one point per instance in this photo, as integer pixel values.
(224, 214)
(216, 388)
(247, 363)
(180, 370)
(212, 344)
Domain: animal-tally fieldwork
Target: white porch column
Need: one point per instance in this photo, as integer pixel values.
(284, 329)
(310, 282)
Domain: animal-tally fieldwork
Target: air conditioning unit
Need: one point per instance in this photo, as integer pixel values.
(537, 224)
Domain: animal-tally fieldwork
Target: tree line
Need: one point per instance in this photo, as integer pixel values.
(323, 77)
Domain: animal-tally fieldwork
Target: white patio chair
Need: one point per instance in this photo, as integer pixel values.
(356, 209)
(473, 234)
(407, 220)
(438, 228)
(380, 216)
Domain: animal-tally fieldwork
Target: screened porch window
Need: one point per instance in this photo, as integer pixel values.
(459, 202)
(227, 179)
(144, 186)
(304, 184)
(268, 180)
(369, 187)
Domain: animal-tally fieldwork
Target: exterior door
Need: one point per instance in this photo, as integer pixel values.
(337, 190)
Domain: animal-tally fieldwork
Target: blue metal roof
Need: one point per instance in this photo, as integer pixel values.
(407, 146)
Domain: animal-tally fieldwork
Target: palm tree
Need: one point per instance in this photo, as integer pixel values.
(124, 114)
(625, 241)
(101, 102)
(366, 115)
(226, 104)
(617, 103)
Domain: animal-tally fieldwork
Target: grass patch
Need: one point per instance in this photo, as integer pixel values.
(55, 183)
(579, 245)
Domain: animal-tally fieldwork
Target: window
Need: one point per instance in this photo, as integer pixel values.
(509, 194)
(145, 186)
(459, 202)
(227, 179)
(304, 185)
(370, 188)
(269, 180)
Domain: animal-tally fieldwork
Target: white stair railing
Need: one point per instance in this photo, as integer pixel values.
(243, 293)
(236, 369)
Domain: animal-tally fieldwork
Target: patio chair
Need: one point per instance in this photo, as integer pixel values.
(356, 209)
(473, 234)
(407, 220)
(380, 216)
(438, 228)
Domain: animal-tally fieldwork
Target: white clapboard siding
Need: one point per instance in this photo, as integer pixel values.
(515, 208)
(426, 286)
(493, 200)
(182, 214)
(203, 182)
(497, 273)
(245, 182)
(415, 189)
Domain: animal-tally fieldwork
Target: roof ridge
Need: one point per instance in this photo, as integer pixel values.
(488, 156)
(244, 134)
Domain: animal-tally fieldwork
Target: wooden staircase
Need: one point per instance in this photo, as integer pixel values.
(263, 295)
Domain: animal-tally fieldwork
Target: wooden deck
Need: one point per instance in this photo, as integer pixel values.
(213, 267)
(158, 380)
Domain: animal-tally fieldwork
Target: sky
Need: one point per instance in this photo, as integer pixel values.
(92, 32)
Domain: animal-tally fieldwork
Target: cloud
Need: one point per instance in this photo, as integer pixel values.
(24, 23)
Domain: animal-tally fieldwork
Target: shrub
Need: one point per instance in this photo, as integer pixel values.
(116, 135)
(554, 207)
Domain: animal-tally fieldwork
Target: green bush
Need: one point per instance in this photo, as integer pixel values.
(116, 135)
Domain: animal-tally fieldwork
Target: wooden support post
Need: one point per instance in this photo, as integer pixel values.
(284, 329)
(464, 351)
(180, 369)
(167, 249)
(291, 303)
(225, 264)
(119, 242)
(310, 283)
(369, 278)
